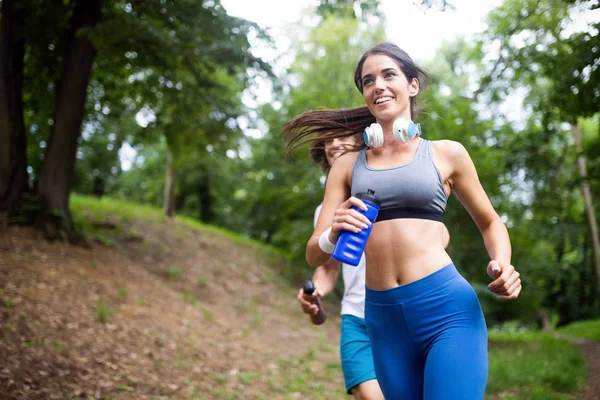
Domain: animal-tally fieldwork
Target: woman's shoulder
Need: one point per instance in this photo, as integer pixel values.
(449, 148)
(342, 167)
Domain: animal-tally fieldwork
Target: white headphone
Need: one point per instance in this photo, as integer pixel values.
(404, 130)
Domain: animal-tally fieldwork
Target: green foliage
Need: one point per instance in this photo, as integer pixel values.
(144, 182)
(168, 78)
(537, 48)
(164, 69)
(583, 329)
(89, 211)
(534, 366)
(106, 221)
(349, 9)
(273, 199)
(551, 60)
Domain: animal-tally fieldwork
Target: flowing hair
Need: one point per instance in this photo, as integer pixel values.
(315, 127)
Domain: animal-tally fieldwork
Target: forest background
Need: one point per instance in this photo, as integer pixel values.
(82, 80)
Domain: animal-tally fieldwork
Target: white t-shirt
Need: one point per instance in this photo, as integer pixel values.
(353, 302)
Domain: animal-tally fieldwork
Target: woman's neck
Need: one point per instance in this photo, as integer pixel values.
(388, 127)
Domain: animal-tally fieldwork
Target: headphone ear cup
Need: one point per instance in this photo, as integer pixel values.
(405, 130)
(373, 136)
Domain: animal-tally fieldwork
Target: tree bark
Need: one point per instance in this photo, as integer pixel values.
(57, 170)
(206, 209)
(13, 142)
(544, 319)
(587, 199)
(169, 199)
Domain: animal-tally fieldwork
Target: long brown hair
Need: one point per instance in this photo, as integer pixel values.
(315, 127)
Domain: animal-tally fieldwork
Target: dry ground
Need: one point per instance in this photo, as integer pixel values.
(168, 312)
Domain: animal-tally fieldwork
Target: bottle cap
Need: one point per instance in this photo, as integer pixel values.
(369, 196)
(308, 287)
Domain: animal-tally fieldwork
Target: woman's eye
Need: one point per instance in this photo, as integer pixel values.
(367, 81)
(390, 74)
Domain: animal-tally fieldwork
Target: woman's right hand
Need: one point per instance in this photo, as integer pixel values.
(349, 219)
(308, 302)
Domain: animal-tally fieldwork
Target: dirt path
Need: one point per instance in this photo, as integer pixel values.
(591, 350)
(592, 354)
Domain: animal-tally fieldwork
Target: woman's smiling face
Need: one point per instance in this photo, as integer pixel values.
(386, 91)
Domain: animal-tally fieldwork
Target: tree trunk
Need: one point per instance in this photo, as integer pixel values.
(206, 211)
(13, 142)
(169, 199)
(587, 199)
(545, 319)
(57, 170)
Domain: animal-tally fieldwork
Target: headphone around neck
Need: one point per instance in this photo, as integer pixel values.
(404, 130)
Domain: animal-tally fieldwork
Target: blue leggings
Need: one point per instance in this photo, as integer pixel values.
(429, 339)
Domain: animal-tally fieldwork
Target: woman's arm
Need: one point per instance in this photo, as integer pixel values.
(325, 277)
(336, 212)
(464, 181)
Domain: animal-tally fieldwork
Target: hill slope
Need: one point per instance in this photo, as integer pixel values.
(161, 310)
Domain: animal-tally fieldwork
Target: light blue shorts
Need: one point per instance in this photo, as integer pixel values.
(355, 352)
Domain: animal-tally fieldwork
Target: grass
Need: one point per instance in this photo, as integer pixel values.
(103, 311)
(190, 297)
(308, 376)
(589, 330)
(122, 293)
(57, 346)
(106, 220)
(89, 212)
(202, 281)
(248, 377)
(172, 272)
(237, 238)
(97, 209)
(534, 366)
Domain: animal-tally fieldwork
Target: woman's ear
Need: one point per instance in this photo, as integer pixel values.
(413, 87)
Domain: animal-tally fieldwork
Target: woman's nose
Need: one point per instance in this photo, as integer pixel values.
(379, 84)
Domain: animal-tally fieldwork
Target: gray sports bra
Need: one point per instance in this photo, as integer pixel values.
(413, 190)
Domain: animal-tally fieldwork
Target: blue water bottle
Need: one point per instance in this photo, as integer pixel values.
(351, 245)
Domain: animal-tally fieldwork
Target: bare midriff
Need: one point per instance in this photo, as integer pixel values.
(401, 251)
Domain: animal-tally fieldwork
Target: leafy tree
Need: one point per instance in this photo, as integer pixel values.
(349, 8)
(273, 199)
(173, 61)
(555, 66)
